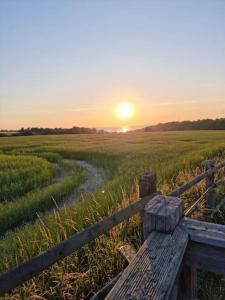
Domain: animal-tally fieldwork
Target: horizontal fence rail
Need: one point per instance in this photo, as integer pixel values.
(201, 199)
(186, 186)
(37, 264)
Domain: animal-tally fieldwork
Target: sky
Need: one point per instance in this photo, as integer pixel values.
(70, 63)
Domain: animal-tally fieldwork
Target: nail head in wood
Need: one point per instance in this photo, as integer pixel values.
(162, 213)
(147, 184)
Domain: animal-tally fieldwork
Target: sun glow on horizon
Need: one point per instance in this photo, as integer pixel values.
(125, 110)
(124, 129)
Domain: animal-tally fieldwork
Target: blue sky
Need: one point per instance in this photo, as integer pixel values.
(65, 63)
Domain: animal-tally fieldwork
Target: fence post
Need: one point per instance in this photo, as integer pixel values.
(147, 185)
(162, 213)
(210, 197)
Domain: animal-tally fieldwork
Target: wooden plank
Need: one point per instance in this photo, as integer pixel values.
(27, 270)
(152, 273)
(205, 257)
(186, 186)
(207, 237)
(202, 224)
(205, 233)
(206, 249)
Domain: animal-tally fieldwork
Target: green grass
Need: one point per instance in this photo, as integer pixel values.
(123, 157)
(49, 156)
(25, 209)
(21, 174)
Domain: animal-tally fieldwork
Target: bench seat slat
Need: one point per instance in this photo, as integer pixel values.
(152, 273)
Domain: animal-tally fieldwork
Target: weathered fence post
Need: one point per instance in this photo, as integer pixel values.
(210, 195)
(162, 214)
(147, 185)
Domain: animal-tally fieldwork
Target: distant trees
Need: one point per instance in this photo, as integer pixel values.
(49, 131)
(54, 131)
(206, 124)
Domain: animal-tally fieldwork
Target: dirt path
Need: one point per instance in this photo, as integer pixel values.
(63, 173)
(95, 178)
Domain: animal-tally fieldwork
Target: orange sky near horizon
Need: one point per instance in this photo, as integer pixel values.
(104, 115)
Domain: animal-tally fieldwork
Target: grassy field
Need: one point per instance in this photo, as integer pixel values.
(25, 209)
(174, 156)
(19, 175)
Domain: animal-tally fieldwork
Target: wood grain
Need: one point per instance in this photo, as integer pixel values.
(152, 273)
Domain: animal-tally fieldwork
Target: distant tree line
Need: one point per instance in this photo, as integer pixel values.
(206, 124)
(51, 131)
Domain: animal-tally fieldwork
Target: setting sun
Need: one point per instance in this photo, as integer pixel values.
(125, 110)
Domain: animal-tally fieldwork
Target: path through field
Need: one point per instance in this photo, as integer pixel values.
(95, 178)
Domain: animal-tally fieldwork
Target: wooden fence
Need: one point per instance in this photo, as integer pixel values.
(187, 242)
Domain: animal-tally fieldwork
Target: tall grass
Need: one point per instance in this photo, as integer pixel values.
(21, 174)
(124, 158)
(25, 209)
(49, 156)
